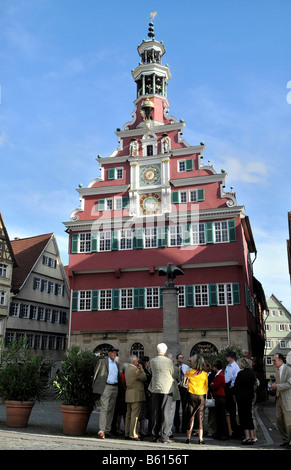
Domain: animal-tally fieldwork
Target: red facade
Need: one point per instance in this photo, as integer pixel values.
(157, 201)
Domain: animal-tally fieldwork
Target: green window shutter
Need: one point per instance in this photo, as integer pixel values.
(75, 239)
(200, 194)
(139, 297)
(125, 202)
(111, 173)
(114, 240)
(235, 293)
(94, 241)
(161, 296)
(212, 294)
(175, 197)
(138, 238)
(209, 232)
(94, 300)
(189, 293)
(101, 205)
(187, 234)
(232, 230)
(189, 164)
(115, 299)
(163, 236)
(75, 297)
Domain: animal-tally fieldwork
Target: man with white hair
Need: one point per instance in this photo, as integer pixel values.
(161, 388)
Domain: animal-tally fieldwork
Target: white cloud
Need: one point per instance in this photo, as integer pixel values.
(3, 138)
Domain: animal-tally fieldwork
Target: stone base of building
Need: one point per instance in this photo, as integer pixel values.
(144, 342)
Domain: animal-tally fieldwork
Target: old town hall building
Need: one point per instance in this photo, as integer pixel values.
(157, 200)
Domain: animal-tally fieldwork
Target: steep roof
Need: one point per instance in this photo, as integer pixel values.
(27, 251)
(6, 239)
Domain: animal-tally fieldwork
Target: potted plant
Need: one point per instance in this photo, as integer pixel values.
(73, 386)
(24, 378)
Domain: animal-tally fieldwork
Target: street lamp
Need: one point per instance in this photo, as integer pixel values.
(227, 318)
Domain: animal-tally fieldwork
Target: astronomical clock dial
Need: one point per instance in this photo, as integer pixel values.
(150, 203)
(150, 174)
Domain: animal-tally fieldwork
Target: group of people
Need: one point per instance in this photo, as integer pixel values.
(169, 393)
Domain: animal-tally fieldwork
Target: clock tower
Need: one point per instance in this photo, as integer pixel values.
(156, 201)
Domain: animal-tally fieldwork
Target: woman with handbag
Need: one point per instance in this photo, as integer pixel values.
(197, 384)
(218, 393)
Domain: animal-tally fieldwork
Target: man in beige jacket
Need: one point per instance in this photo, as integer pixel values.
(134, 396)
(162, 388)
(283, 399)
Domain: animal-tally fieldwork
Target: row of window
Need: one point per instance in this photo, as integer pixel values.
(36, 312)
(155, 237)
(278, 326)
(48, 286)
(38, 341)
(48, 261)
(122, 202)
(282, 344)
(151, 297)
(117, 173)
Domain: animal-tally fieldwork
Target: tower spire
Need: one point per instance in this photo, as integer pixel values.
(151, 33)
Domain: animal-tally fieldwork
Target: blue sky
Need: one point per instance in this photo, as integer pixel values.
(66, 85)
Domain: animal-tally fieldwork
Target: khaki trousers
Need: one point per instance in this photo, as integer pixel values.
(283, 420)
(107, 402)
(131, 419)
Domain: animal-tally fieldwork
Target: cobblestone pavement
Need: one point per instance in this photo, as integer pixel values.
(44, 432)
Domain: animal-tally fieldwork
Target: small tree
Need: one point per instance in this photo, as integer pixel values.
(73, 381)
(24, 375)
(221, 354)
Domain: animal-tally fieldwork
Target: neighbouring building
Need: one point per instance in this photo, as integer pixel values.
(278, 333)
(39, 307)
(289, 244)
(157, 201)
(7, 264)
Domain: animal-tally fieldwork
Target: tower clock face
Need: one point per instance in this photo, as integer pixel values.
(149, 174)
(150, 203)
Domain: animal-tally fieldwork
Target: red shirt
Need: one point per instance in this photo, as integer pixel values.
(218, 384)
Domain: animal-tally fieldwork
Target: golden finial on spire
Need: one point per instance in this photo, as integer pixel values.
(153, 14)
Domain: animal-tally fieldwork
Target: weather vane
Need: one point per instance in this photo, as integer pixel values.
(153, 14)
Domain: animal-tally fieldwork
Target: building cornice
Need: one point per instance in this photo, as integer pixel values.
(103, 190)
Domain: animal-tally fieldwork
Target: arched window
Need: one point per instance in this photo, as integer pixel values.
(102, 349)
(204, 349)
(137, 349)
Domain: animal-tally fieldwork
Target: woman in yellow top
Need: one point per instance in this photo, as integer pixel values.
(195, 397)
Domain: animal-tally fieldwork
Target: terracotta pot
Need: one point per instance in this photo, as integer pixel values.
(18, 413)
(75, 419)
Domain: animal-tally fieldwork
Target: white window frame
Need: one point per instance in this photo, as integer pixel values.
(105, 299)
(2, 298)
(126, 299)
(221, 294)
(84, 300)
(118, 203)
(181, 166)
(198, 233)
(104, 241)
(125, 239)
(176, 235)
(181, 296)
(3, 270)
(85, 242)
(201, 295)
(150, 237)
(152, 297)
(119, 173)
(109, 204)
(221, 232)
